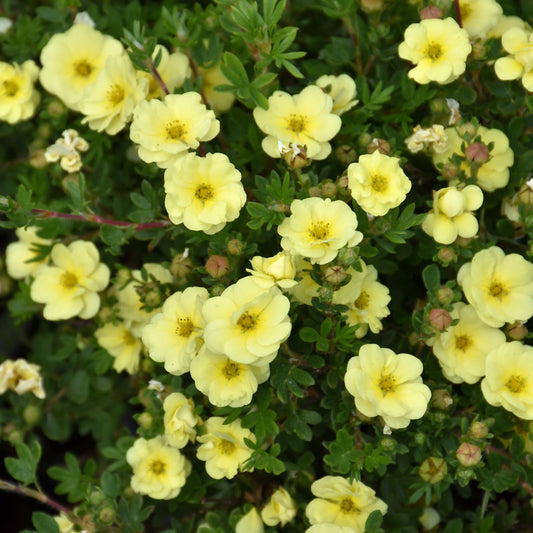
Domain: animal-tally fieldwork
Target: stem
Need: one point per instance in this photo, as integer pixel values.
(157, 76)
(458, 13)
(31, 493)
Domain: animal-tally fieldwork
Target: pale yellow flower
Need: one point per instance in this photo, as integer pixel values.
(72, 60)
(250, 523)
(69, 287)
(306, 288)
(305, 119)
(433, 138)
(518, 43)
(247, 323)
(462, 349)
(280, 509)
(378, 183)
(508, 378)
(168, 129)
(67, 150)
(342, 90)
(278, 270)
(479, 16)
(491, 174)
(218, 101)
(18, 96)
(20, 254)
(329, 528)
(159, 470)
(342, 503)
(318, 228)
(452, 216)
(203, 193)
(223, 448)
(438, 48)
(22, 377)
(109, 102)
(506, 23)
(498, 286)
(387, 384)
(180, 420)
(174, 335)
(122, 345)
(224, 381)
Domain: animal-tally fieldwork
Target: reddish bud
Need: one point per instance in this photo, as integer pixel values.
(431, 12)
(440, 319)
(468, 454)
(477, 152)
(217, 266)
(479, 430)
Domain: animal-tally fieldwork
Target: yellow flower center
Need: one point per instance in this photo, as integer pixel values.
(434, 51)
(128, 338)
(157, 467)
(387, 383)
(462, 343)
(10, 88)
(176, 130)
(247, 321)
(115, 94)
(226, 447)
(68, 280)
(296, 123)
(231, 370)
(362, 301)
(516, 384)
(319, 231)
(498, 290)
(347, 506)
(83, 68)
(379, 183)
(204, 192)
(184, 327)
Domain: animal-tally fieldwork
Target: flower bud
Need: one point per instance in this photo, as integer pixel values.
(56, 108)
(478, 50)
(468, 454)
(516, 331)
(477, 152)
(466, 130)
(107, 515)
(463, 475)
(181, 265)
(431, 12)
(440, 319)
(335, 274)
(449, 170)
(388, 444)
(347, 256)
(346, 154)
(235, 247)
(145, 420)
(217, 266)
(381, 145)
(445, 295)
(479, 430)
(37, 159)
(441, 399)
(371, 6)
(329, 190)
(315, 192)
(96, 497)
(433, 469)
(429, 518)
(419, 438)
(31, 414)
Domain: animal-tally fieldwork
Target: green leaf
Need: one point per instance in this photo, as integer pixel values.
(373, 522)
(78, 387)
(342, 453)
(44, 523)
(76, 191)
(73, 482)
(234, 70)
(24, 468)
(431, 277)
(295, 424)
(309, 335)
(454, 526)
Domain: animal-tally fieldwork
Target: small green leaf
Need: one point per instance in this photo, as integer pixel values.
(44, 523)
(431, 277)
(24, 468)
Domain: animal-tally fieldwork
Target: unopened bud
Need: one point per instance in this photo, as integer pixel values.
(347, 256)
(525, 194)
(235, 247)
(440, 319)
(463, 475)
(466, 130)
(429, 518)
(388, 444)
(419, 438)
(145, 420)
(315, 192)
(477, 152)
(217, 266)
(96, 497)
(516, 331)
(181, 265)
(445, 295)
(37, 159)
(371, 6)
(329, 190)
(433, 469)
(326, 293)
(335, 274)
(107, 515)
(56, 108)
(441, 399)
(346, 154)
(449, 170)
(31, 414)
(479, 430)
(431, 12)
(478, 50)
(380, 145)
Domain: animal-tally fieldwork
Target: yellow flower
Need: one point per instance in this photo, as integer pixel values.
(508, 378)
(159, 470)
(463, 348)
(318, 228)
(174, 335)
(166, 130)
(479, 16)
(22, 377)
(203, 193)
(306, 288)
(72, 60)
(280, 509)
(387, 384)
(452, 214)
(278, 270)
(305, 119)
(224, 381)
(122, 345)
(218, 101)
(20, 254)
(247, 323)
(498, 286)
(342, 503)
(329, 528)
(67, 151)
(378, 183)
(180, 420)
(223, 448)
(250, 523)
(109, 102)
(491, 174)
(173, 68)
(518, 43)
(342, 90)
(438, 48)
(506, 23)
(70, 286)
(18, 96)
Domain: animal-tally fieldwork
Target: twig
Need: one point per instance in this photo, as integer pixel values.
(31, 493)
(458, 13)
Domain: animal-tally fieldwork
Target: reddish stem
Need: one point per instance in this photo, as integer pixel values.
(32, 493)
(158, 77)
(458, 13)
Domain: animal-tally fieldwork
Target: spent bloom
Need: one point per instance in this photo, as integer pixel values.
(174, 334)
(452, 216)
(432, 138)
(247, 323)
(479, 16)
(318, 228)
(18, 96)
(518, 43)
(342, 503)
(180, 420)
(508, 378)
(67, 150)
(122, 345)
(387, 384)
(72, 60)
(278, 270)
(305, 119)
(22, 377)
(167, 129)
(21, 255)
(159, 470)
(280, 509)
(438, 48)
(342, 90)
(203, 193)
(378, 183)
(69, 286)
(223, 448)
(498, 286)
